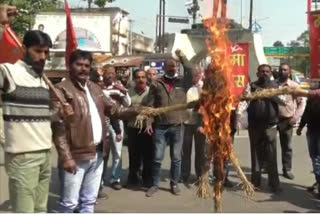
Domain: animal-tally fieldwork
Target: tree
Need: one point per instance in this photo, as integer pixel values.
(102, 3)
(294, 44)
(28, 10)
(278, 44)
(99, 3)
(304, 39)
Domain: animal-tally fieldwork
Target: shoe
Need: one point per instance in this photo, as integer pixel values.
(147, 184)
(102, 194)
(312, 188)
(288, 175)
(187, 185)
(116, 186)
(175, 189)
(227, 183)
(276, 190)
(151, 191)
(132, 184)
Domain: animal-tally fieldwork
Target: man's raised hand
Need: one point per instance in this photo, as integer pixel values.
(7, 14)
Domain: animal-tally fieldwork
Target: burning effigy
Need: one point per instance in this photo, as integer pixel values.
(216, 102)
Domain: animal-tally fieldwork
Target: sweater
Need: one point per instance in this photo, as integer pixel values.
(136, 100)
(26, 112)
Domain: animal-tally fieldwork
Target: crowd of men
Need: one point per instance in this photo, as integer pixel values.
(93, 110)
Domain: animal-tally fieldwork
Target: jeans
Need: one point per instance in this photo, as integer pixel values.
(116, 148)
(190, 133)
(81, 190)
(285, 134)
(313, 138)
(29, 178)
(173, 136)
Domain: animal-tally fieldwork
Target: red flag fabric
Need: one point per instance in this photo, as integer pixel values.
(71, 40)
(309, 10)
(10, 46)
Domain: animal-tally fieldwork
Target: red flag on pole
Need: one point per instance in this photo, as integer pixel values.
(71, 40)
(10, 46)
(309, 10)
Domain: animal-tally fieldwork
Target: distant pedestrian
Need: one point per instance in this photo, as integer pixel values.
(140, 143)
(152, 75)
(119, 96)
(289, 115)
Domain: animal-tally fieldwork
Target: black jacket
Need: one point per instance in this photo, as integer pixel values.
(264, 112)
(311, 115)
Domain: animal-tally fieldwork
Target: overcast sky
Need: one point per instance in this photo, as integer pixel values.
(282, 20)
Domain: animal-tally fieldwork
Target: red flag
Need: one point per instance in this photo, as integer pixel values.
(309, 10)
(71, 40)
(10, 46)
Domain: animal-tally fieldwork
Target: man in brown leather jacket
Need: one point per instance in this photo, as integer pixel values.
(80, 139)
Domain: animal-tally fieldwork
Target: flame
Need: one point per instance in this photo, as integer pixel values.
(216, 99)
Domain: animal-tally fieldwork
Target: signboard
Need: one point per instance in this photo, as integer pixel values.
(93, 31)
(314, 26)
(286, 51)
(179, 20)
(240, 63)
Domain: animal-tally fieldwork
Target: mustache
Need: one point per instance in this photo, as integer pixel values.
(39, 63)
(83, 73)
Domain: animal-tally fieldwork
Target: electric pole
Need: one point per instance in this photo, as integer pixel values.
(163, 24)
(250, 16)
(160, 27)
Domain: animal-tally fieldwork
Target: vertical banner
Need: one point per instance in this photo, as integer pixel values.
(240, 63)
(314, 26)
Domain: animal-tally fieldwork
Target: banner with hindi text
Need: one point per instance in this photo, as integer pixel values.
(314, 26)
(240, 62)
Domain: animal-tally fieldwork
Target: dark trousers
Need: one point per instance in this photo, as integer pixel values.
(313, 137)
(285, 133)
(140, 153)
(263, 145)
(190, 133)
(173, 136)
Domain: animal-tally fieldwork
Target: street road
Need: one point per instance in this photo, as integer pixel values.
(294, 197)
